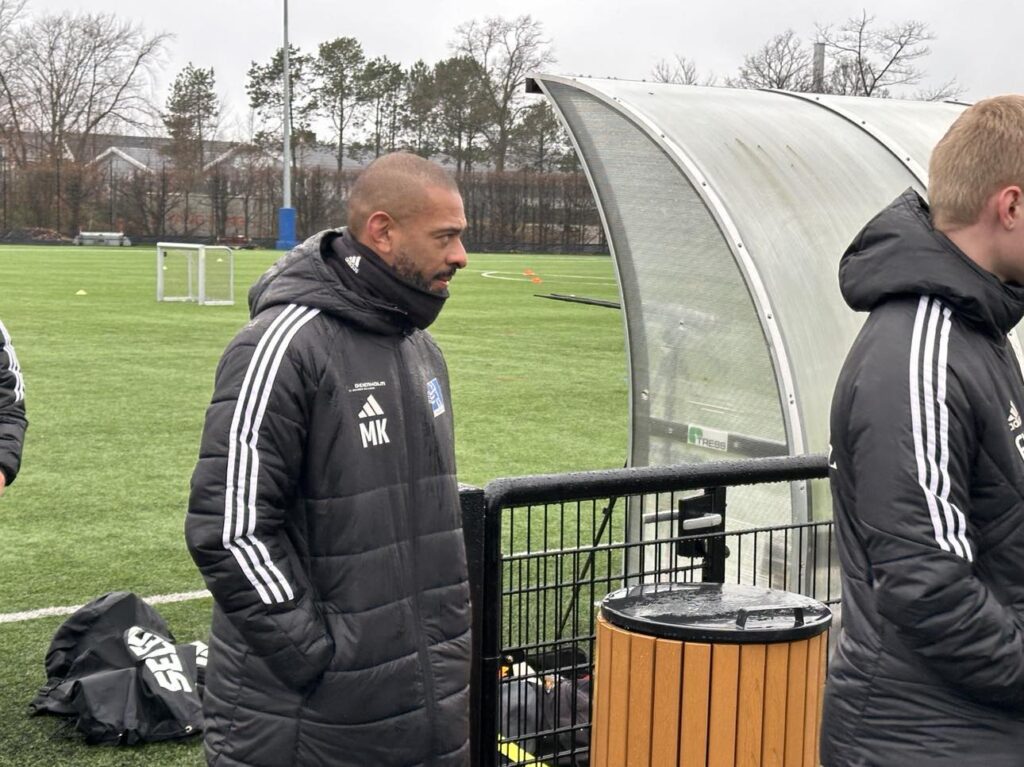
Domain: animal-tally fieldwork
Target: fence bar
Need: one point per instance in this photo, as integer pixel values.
(555, 488)
(471, 499)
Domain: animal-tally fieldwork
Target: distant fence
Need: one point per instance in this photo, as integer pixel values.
(544, 551)
(509, 211)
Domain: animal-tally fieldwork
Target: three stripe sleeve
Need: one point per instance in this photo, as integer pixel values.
(12, 408)
(250, 459)
(907, 455)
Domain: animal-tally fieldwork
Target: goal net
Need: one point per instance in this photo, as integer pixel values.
(201, 273)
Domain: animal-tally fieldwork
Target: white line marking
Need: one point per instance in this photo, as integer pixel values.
(48, 612)
(527, 278)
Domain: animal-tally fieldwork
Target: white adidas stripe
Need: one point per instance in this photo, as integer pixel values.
(915, 421)
(372, 403)
(371, 408)
(931, 440)
(234, 491)
(241, 485)
(953, 514)
(19, 379)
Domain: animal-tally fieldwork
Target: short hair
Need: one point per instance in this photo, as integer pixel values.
(982, 152)
(394, 183)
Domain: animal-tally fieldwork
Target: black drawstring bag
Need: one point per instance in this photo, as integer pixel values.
(114, 670)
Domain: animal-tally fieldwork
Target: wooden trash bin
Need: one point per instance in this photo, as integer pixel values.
(708, 674)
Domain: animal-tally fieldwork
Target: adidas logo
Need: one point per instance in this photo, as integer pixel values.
(373, 426)
(353, 263)
(1013, 420)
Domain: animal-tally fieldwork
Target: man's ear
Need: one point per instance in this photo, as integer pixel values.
(1010, 206)
(378, 231)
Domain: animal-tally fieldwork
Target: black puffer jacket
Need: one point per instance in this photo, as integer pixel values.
(324, 516)
(12, 408)
(928, 489)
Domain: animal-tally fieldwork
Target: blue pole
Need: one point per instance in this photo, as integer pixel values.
(285, 229)
(286, 215)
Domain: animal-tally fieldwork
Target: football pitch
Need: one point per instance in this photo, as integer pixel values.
(116, 388)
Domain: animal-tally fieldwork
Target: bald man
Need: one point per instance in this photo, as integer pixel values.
(324, 512)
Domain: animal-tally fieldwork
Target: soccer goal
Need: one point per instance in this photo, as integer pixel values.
(201, 273)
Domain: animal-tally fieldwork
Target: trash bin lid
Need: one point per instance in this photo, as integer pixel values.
(716, 612)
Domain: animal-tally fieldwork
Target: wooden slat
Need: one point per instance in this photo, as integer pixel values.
(814, 682)
(773, 734)
(796, 703)
(751, 705)
(641, 694)
(693, 747)
(601, 683)
(823, 665)
(618, 697)
(725, 678)
(668, 678)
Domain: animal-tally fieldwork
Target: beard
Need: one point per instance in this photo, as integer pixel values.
(405, 267)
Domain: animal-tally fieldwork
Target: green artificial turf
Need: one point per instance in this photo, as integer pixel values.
(117, 384)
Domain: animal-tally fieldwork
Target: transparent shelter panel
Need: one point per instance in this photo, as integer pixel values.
(703, 387)
(798, 182)
(728, 211)
(913, 126)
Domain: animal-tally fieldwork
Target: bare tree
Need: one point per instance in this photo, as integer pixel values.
(75, 75)
(68, 78)
(10, 10)
(783, 63)
(506, 50)
(680, 71)
(947, 91)
(870, 61)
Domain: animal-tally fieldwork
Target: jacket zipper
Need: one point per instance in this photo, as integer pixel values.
(429, 692)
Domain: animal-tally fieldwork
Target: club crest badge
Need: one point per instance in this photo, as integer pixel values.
(436, 397)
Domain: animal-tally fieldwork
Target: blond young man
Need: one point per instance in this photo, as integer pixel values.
(928, 467)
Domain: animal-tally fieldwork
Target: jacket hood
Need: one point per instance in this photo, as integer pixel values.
(303, 277)
(899, 252)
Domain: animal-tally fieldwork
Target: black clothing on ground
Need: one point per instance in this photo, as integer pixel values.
(114, 669)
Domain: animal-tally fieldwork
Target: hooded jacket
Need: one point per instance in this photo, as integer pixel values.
(927, 475)
(324, 516)
(12, 408)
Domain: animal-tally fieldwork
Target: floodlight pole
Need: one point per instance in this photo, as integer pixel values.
(286, 215)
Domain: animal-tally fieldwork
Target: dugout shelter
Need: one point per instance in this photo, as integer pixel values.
(726, 212)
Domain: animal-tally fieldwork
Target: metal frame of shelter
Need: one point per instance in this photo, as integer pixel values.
(726, 212)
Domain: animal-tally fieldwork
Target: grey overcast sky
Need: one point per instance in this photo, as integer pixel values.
(978, 43)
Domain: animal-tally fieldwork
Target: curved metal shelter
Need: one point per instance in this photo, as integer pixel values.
(726, 212)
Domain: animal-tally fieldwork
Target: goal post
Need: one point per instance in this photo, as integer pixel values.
(204, 274)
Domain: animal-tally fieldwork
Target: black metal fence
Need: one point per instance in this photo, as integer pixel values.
(545, 550)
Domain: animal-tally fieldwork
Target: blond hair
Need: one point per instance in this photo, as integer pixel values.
(394, 183)
(982, 152)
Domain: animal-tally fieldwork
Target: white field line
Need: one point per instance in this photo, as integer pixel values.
(47, 612)
(495, 275)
